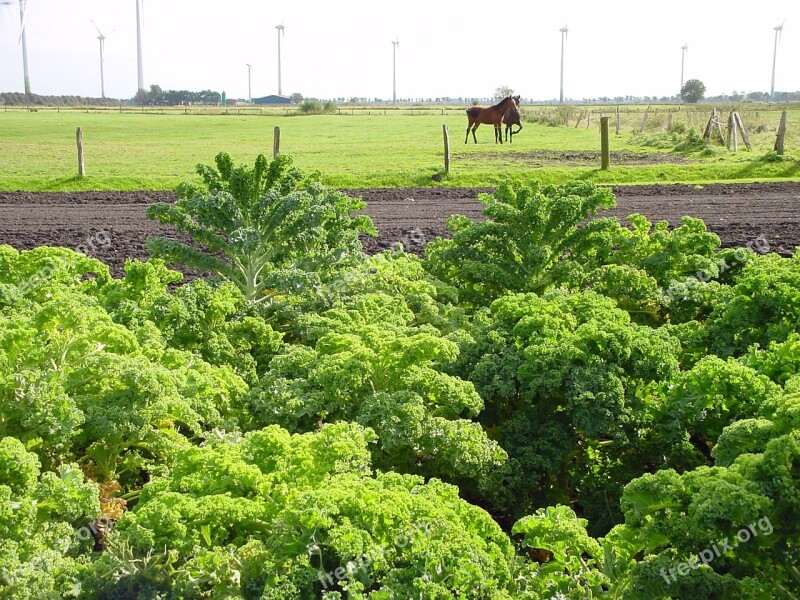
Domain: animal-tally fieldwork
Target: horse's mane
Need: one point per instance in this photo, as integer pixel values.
(506, 99)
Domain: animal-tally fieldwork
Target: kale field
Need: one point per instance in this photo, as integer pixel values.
(567, 392)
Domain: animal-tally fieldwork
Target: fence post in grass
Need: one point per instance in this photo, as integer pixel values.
(618, 128)
(276, 142)
(79, 139)
(644, 119)
(781, 134)
(669, 122)
(446, 134)
(709, 126)
(740, 125)
(605, 155)
(731, 142)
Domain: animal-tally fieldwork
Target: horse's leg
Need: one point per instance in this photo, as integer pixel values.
(477, 123)
(498, 134)
(469, 126)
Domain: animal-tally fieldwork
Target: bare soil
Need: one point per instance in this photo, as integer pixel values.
(573, 158)
(738, 213)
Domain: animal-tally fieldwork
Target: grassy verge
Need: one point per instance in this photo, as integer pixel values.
(156, 152)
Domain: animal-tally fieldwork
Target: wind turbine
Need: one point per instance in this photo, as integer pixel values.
(249, 93)
(563, 31)
(23, 40)
(102, 38)
(778, 31)
(395, 44)
(139, 10)
(684, 48)
(281, 31)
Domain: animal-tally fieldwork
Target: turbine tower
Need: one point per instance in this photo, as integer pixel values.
(22, 39)
(684, 48)
(102, 38)
(395, 44)
(778, 31)
(281, 31)
(139, 45)
(563, 31)
(249, 92)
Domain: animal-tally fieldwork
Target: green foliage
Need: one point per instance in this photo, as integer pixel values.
(262, 228)
(75, 385)
(213, 321)
(527, 231)
(369, 363)
(714, 394)
(576, 376)
(569, 385)
(567, 569)
(693, 91)
(42, 554)
(310, 106)
(275, 515)
(677, 138)
(764, 307)
(733, 529)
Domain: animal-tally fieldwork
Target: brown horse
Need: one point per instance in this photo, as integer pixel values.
(511, 118)
(489, 116)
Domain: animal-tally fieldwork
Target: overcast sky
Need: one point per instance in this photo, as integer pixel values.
(343, 47)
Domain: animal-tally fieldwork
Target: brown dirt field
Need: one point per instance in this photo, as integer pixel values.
(573, 158)
(738, 213)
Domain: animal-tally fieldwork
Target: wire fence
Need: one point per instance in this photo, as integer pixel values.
(625, 119)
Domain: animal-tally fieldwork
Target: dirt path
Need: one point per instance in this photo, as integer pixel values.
(738, 213)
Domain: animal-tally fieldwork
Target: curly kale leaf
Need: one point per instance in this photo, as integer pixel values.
(257, 229)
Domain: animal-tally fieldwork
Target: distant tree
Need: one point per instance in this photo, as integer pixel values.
(296, 98)
(156, 95)
(693, 91)
(503, 92)
(758, 96)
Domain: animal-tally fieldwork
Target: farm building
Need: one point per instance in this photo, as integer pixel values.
(272, 99)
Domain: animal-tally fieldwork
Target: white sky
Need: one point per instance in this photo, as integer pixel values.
(343, 48)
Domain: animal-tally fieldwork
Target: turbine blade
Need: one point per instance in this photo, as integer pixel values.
(23, 8)
(96, 27)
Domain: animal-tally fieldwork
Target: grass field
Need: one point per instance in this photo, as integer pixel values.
(374, 147)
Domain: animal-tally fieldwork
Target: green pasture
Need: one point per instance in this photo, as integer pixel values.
(157, 148)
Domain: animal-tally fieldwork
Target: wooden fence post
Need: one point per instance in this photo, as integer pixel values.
(644, 120)
(618, 124)
(709, 126)
(79, 139)
(276, 143)
(446, 134)
(781, 134)
(740, 125)
(731, 142)
(605, 158)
